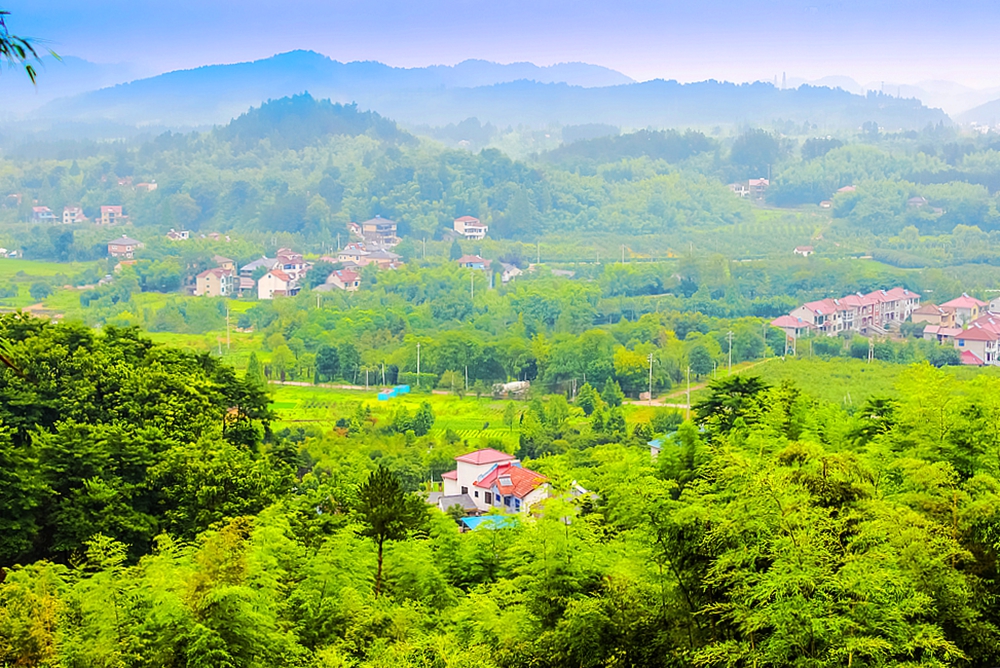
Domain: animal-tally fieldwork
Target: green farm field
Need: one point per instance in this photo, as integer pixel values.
(472, 419)
(847, 381)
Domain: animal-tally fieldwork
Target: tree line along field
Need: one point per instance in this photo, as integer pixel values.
(473, 420)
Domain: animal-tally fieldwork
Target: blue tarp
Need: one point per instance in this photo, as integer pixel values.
(401, 389)
(490, 522)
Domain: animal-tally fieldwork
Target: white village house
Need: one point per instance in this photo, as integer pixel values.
(489, 481)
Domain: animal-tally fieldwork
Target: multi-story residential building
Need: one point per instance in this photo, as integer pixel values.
(123, 247)
(247, 270)
(291, 263)
(360, 255)
(966, 308)
(978, 345)
(215, 282)
(471, 228)
(489, 481)
(872, 313)
(473, 262)
(345, 279)
(379, 230)
(72, 215)
(224, 262)
(111, 215)
(42, 214)
(757, 188)
(276, 283)
(932, 314)
(794, 328)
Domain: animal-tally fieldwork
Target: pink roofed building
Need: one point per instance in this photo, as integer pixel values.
(966, 308)
(872, 313)
(794, 328)
(494, 481)
(980, 341)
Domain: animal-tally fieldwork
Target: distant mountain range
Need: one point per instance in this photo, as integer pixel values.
(570, 93)
(59, 78)
(953, 98)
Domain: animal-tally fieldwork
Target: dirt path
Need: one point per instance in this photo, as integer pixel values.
(674, 395)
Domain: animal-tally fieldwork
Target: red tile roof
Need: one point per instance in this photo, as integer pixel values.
(511, 479)
(450, 475)
(471, 259)
(823, 307)
(978, 334)
(277, 273)
(965, 301)
(485, 456)
(970, 358)
(467, 219)
(347, 276)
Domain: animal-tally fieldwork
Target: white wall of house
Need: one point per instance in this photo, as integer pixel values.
(268, 285)
(984, 350)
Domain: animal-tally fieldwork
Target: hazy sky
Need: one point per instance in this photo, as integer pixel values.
(741, 40)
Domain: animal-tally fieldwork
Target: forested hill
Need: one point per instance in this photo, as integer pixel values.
(295, 122)
(438, 96)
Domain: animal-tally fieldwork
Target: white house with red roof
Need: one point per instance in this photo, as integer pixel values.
(966, 308)
(493, 481)
(276, 283)
(978, 345)
(344, 279)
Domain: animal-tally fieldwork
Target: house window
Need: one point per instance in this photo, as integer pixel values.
(489, 497)
(465, 490)
(476, 494)
(517, 504)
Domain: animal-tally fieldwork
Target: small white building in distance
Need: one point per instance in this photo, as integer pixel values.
(804, 251)
(492, 481)
(471, 228)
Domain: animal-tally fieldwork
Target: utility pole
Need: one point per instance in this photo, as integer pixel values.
(623, 253)
(383, 373)
(871, 350)
(418, 364)
(317, 300)
(466, 377)
(650, 379)
(729, 336)
(366, 377)
(338, 242)
(227, 330)
(764, 329)
(538, 252)
(689, 394)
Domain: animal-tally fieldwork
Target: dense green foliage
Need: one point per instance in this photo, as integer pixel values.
(776, 530)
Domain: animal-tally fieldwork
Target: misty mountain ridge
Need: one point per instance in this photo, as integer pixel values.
(439, 95)
(58, 78)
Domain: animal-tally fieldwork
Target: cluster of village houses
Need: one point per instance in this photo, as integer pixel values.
(971, 325)
(283, 273)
